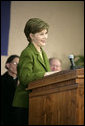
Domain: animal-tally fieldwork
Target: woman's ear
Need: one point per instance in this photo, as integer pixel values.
(31, 35)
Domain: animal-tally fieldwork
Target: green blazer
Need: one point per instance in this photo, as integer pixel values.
(31, 67)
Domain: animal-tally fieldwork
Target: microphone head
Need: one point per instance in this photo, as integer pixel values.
(71, 56)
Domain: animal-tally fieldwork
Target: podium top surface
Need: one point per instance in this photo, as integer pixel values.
(57, 77)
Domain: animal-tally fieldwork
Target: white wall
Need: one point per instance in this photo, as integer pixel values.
(66, 32)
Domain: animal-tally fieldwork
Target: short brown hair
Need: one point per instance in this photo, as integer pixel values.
(34, 25)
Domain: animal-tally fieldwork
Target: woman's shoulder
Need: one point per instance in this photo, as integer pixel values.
(27, 51)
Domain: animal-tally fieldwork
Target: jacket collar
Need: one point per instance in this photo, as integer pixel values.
(33, 48)
(42, 61)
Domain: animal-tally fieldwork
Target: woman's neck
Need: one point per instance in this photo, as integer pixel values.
(37, 47)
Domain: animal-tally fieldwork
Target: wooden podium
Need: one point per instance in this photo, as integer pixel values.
(57, 99)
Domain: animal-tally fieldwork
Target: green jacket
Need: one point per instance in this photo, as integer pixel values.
(31, 67)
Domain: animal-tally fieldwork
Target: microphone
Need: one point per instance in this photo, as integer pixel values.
(71, 58)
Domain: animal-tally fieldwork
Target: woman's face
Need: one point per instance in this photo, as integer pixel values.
(39, 38)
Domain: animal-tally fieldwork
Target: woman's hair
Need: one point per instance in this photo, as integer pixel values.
(10, 59)
(34, 25)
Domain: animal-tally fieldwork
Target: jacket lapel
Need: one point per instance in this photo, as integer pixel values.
(46, 61)
(42, 61)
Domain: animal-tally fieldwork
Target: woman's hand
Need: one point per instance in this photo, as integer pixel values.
(49, 73)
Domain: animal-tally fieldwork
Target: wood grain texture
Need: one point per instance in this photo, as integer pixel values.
(57, 99)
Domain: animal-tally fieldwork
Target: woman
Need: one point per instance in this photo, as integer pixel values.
(33, 64)
(9, 82)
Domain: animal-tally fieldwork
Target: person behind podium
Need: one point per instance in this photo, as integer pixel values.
(33, 65)
(55, 64)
